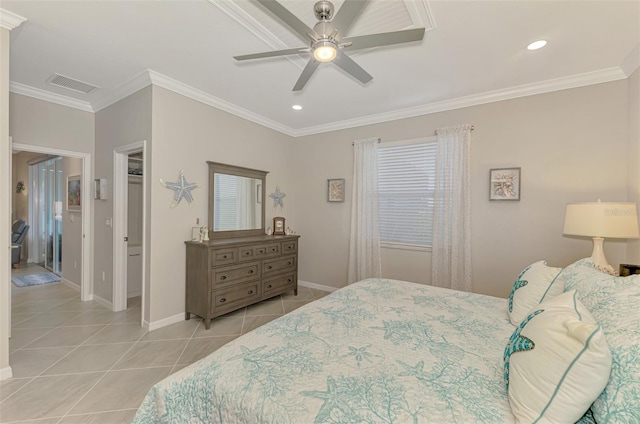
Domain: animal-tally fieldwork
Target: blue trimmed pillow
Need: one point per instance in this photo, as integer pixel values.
(534, 284)
(556, 362)
(615, 303)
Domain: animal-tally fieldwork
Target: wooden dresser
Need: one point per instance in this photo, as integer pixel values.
(224, 275)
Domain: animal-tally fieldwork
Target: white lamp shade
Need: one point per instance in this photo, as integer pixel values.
(601, 219)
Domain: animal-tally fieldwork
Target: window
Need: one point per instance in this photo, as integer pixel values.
(406, 174)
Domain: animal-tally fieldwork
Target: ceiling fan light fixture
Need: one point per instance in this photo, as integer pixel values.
(537, 45)
(324, 51)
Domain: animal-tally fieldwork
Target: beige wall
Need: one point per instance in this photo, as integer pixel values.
(125, 122)
(570, 144)
(633, 251)
(71, 230)
(186, 134)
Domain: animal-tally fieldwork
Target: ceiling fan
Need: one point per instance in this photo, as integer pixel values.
(326, 41)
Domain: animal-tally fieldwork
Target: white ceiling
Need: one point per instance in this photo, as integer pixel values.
(473, 52)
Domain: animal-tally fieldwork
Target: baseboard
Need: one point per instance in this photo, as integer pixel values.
(134, 294)
(103, 302)
(71, 285)
(317, 286)
(6, 373)
(154, 325)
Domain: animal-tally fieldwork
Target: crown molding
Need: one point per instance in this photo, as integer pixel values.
(202, 97)
(10, 20)
(136, 83)
(574, 81)
(37, 93)
(231, 9)
(632, 62)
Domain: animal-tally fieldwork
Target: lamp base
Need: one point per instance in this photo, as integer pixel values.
(598, 258)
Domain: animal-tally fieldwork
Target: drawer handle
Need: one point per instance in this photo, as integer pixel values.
(289, 247)
(250, 292)
(269, 267)
(247, 253)
(261, 251)
(269, 286)
(273, 249)
(223, 277)
(223, 300)
(289, 263)
(250, 271)
(289, 280)
(224, 257)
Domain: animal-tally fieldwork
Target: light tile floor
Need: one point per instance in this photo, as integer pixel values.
(77, 362)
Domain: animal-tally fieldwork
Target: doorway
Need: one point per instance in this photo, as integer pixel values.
(129, 226)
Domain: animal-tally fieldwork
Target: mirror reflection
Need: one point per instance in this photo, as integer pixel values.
(237, 203)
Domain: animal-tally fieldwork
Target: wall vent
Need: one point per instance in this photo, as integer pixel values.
(71, 84)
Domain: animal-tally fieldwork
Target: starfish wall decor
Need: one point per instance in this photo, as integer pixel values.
(278, 197)
(182, 189)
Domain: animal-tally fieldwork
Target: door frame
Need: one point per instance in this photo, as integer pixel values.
(86, 280)
(120, 226)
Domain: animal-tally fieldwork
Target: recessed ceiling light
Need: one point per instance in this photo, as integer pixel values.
(296, 107)
(537, 45)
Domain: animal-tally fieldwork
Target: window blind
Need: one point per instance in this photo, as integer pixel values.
(406, 176)
(225, 197)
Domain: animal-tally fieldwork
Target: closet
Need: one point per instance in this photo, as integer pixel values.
(134, 224)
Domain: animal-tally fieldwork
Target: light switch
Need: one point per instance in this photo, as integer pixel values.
(109, 222)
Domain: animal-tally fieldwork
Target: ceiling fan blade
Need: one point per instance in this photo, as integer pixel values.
(289, 18)
(308, 70)
(347, 14)
(273, 53)
(351, 67)
(383, 39)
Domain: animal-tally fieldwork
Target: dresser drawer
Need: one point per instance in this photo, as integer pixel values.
(279, 265)
(289, 247)
(277, 283)
(229, 275)
(232, 298)
(224, 256)
(247, 253)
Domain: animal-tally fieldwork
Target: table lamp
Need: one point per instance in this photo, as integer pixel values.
(600, 220)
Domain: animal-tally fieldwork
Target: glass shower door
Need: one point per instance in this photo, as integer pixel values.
(49, 205)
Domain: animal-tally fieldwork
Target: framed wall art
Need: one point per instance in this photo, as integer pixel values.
(335, 190)
(504, 184)
(74, 200)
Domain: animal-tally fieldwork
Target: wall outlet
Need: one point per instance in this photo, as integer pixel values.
(104, 276)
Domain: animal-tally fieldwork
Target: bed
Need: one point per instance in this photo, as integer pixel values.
(388, 351)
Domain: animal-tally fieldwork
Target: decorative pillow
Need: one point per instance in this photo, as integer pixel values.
(535, 283)
(556, 363)
(615, 303)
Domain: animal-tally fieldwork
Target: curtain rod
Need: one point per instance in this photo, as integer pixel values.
(379, 141)
(472, 128)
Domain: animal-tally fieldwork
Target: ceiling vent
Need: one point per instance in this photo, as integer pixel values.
(71, 84)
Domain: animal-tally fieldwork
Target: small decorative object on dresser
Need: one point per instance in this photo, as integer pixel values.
(335, 190)
(628, 269)
(195, 233)
(504, 184)
(278, 226)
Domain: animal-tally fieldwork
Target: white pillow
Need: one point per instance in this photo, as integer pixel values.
(534, 284)
(556, 363)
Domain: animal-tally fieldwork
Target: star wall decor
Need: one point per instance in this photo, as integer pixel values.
(182, 189)
(278, 197)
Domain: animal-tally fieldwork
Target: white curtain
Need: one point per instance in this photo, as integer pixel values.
(451, 254)
(364, 249)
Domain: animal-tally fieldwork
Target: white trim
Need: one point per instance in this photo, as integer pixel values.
(131, 86)
(6, 373)
(10, 20)
(151, 77)
(86, 292)
(103, 302)
(120, 189)
(245, 20)
(48, 96)
(134, 294)
(574, 81)
(632, 62)
(154, 325)
(70, 284)
(202, 97)
(317, 286)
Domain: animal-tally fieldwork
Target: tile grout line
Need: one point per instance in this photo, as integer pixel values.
(185, 347)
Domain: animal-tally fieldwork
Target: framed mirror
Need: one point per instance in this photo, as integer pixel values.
(236, 201)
